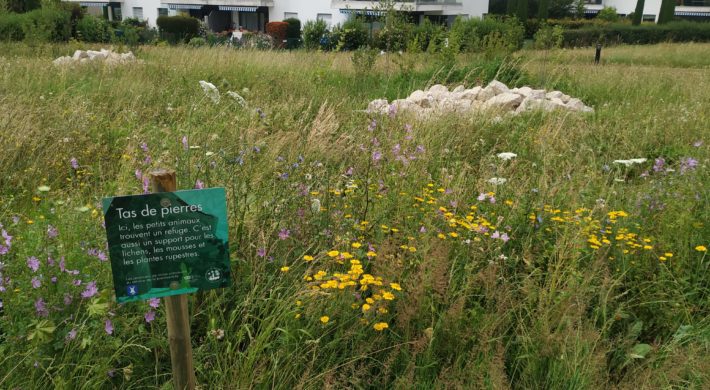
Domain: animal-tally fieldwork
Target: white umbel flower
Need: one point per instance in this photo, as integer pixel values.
(497, 180)
(630, 162)
(210, 90)
(506, 156)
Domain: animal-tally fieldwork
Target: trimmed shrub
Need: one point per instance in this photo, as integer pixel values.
(293, 33)
(313, 32)
(178, 28)
(644, 34)
(277, 30)
(93, 29)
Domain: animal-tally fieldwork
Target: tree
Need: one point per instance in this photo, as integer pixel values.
(638, 12)
(522, 11)
(21, 6)
(543, 9)
(667, 11)
(511, 7)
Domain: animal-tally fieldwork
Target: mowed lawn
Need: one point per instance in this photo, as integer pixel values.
(367, 250)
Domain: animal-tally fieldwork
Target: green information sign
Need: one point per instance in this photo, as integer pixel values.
(167, 243)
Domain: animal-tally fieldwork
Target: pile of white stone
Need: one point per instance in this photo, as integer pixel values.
(496, 96)
(106, 56)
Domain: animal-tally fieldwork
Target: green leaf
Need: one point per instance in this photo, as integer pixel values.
(98, 307)
(639, 351)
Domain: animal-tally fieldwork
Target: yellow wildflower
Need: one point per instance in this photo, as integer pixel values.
(324, 319)
(308, 258)
(356, 245)
(380, 326)
(396, 286)
(333, 253)
(284, 269)
(701, 248)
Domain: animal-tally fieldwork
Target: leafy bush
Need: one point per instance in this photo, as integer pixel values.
(313, 32)
(549, 37)
(11, 27)
(93, 29)
(484, 34)
(257, 41)
(364, 59)
(197, 42)
(426, 34)
(47, 25)
(352, 35)
(645, 34)
(277, 30)
(608, 14)
(178, 28)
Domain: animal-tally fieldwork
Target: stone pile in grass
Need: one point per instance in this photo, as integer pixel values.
(106, 56)
(496, 96)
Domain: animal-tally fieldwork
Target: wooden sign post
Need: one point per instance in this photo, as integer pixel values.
(176, 309)
(167, 244)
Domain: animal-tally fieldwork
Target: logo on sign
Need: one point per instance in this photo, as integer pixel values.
(213, 275)
(132, 290)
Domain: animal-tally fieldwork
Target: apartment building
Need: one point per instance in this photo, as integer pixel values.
(254, 14)
(687, 9)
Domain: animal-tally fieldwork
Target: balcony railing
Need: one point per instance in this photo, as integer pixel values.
(693, 3)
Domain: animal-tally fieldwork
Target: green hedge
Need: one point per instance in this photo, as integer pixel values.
(47, 24)
(93, 29)
(644, 34)
(178, 28)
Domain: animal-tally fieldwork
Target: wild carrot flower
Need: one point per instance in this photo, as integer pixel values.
(210, 91)
(506, 156)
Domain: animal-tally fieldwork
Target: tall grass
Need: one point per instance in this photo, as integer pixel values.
(543, 310)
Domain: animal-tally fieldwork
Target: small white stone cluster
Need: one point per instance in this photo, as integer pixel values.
(496, 96)
(106, 56)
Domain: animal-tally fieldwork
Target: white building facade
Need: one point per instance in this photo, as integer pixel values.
(689, 9)
(254, 14)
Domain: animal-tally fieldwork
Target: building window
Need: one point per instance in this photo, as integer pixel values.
(327, 18)
(288, 15)
(162, 12)
(138, 13)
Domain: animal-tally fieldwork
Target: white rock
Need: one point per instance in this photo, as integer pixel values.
(505, 101)
(438, 88)
(471, 94)
(485, 94)
(537, 94)
(79, 54)
(498, 87)
(574, 104)
(554, 94)
(524, 91)
(565, 98)
(378, 106)
(460, 88)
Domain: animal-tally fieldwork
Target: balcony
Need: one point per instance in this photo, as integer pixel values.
(235, 3)
(406, 5)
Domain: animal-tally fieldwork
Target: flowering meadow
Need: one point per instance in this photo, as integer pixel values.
(543, 250)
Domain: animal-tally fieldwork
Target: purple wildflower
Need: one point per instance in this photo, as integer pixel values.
(71, 335)
(139, 174)
(687, 163)
(184, 143)
(108, 327)
(149, 316)
(41, 308)
(199, 184)
(33, 263)
(68, 299)
(504, 237)
(495, 234)
(144, 147)
(261, 252)
(376, 156)
(372, 126)
(145, 185)
(154, 302)
(349, 171)
(36, 283)
(74, 163)
(392, 110)
(52, 232)
(90, 290)
(284, 234)
(659, 164)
